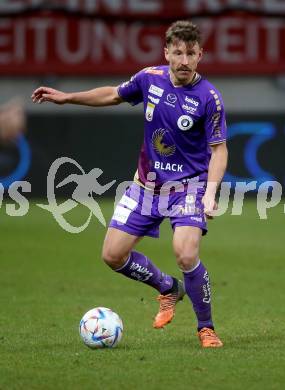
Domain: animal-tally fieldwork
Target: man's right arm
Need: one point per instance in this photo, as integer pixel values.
(103, 96)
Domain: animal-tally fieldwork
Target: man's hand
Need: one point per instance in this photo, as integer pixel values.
(217, 167)
(210, 205)
(45, 94)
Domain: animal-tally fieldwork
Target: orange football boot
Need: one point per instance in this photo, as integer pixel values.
(167, 305)
(209, 339)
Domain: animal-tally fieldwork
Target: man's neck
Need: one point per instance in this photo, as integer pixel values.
(177, 83)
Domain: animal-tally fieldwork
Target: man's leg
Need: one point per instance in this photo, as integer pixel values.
(186, 243)
(118, 253)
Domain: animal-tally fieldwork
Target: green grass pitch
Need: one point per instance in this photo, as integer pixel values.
(49, 278)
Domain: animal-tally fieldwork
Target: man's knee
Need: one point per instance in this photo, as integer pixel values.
(187, 260)
(187, 255)
(113, 258)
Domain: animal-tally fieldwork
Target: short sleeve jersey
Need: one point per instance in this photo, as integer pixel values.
(180, 125)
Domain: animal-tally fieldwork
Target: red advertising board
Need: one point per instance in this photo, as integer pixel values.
(55, 43)
(158, 9)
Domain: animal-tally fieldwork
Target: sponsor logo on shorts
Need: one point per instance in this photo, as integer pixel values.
(121, 214)
(128, 202)
(197, 219)
(190, 199)
(156, 90)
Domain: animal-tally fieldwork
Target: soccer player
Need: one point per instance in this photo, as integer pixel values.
(182, 161)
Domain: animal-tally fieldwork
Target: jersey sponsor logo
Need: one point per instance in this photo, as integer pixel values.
(153, 99)
(168, 167)
(160, 145)
(192, 101)
(171, 98)
(185, 122)
(149, 111)
(154, 71)
(169, 104)
(156, 90)
(189, 109)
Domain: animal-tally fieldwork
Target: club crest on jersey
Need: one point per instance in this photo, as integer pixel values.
(149, 111)
(185, 122)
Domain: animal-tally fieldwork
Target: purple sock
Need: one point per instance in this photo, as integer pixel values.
(197, 287)
(139, 267)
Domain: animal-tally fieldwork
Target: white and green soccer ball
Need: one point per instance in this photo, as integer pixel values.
(101, 328)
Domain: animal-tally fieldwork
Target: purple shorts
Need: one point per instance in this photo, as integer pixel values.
(140, 212)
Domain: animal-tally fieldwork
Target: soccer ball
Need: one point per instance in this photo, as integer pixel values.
(100, 328)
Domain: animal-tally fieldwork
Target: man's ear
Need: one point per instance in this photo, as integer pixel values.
(166, 54)
(200, 54)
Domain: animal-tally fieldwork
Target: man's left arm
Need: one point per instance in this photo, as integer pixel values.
(217, 168)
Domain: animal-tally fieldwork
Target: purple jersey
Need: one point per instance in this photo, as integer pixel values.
(180, 124)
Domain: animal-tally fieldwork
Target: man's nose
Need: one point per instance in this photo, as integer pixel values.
(185, 59)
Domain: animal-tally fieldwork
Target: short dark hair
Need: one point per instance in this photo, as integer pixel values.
(183, 30)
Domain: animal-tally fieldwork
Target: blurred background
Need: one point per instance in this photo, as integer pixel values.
(75, 45)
